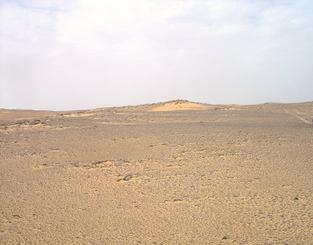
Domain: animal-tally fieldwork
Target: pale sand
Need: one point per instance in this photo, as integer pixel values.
(179, 106)
(154, 175)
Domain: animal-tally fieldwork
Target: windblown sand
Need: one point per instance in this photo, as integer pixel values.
(166, 173)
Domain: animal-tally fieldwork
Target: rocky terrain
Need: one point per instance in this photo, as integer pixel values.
(177, 172)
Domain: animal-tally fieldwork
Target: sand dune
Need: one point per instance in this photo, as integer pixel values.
(179, 105)
(176, 172)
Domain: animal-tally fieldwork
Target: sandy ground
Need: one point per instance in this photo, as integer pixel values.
(147, 175)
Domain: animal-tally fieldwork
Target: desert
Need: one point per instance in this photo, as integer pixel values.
(156, 122)
(177, 172)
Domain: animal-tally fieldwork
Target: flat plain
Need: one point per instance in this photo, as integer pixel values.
(168, 173)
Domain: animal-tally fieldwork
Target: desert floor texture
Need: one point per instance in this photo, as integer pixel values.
(168, 173)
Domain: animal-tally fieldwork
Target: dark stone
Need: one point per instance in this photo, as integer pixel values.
(128, 177)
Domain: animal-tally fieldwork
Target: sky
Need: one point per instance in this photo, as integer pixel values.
(77, 54)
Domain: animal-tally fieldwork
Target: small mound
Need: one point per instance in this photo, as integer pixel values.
(179, 106)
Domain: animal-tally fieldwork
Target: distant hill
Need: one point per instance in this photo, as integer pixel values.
(304, 109)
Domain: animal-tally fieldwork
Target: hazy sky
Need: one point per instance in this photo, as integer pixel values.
(57, 54)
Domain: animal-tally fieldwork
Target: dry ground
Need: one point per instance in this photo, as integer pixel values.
(167, 173)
